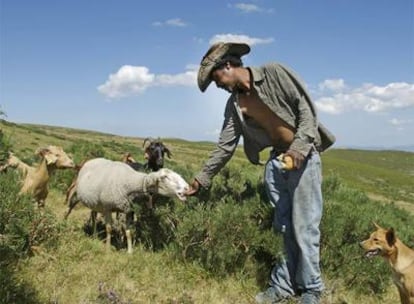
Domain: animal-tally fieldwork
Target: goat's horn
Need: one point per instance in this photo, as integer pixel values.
(145, 140)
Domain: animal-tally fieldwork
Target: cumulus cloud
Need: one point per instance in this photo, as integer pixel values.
(368, 97)
(133, 80)
(250, 8)
(332, 85)
(176, 22)
(240, 38)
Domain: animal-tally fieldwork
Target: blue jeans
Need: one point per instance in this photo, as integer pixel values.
(297, 200)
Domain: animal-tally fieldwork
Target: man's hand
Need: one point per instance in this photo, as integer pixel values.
(297, 158)
(194, 188)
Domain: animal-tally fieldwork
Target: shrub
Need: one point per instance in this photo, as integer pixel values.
(22, 230)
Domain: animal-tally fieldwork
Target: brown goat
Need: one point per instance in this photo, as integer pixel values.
(15, 163)
(36, 181)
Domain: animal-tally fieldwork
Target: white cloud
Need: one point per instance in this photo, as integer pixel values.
(368, 97)
(177, 22)
(188, 78)
(250, 8)
(128, 80)
(240, 38)
(400, 123)
(332, 85)
(133, 80)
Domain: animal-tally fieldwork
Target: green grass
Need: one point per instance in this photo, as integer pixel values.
(217, 248)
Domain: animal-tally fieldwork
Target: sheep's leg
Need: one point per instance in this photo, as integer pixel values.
(108, 226)
(94, 215)
(128, 232)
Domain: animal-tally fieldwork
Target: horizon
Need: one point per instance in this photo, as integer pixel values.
(407, 148)
(130, 68)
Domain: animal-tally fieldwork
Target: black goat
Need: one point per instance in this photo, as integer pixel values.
(154, 153)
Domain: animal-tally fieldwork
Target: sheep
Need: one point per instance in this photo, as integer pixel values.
(36, 181)
(108, 186)
(14, 162)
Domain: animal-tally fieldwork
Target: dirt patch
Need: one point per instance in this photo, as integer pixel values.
(401, 204)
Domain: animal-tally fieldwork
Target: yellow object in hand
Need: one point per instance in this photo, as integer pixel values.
(287, 161)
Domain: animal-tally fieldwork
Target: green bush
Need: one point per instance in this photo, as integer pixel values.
(22, 231)
(347, 221)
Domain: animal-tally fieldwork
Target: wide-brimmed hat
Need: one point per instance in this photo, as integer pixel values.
(214, 55)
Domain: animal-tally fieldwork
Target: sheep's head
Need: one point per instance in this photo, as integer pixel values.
(169, 183)
(154, 153)
(55, 155)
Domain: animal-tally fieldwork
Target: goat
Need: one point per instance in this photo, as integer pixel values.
(36, 181)
(107, 186)
(15, 163)
(154, 153)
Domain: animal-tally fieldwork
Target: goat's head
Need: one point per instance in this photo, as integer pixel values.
(128, 159)
(154, 153)
(55, 156)
(168, 183)
(13, 161)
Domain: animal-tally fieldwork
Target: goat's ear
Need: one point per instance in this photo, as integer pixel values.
(41, 151)
(166, 150)
(50, 158)
(390, 236)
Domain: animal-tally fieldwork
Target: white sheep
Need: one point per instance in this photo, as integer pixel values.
(36, 181)
(107, 186)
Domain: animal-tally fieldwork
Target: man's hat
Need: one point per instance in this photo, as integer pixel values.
(214, 55)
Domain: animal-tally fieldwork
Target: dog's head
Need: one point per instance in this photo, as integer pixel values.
(381, 242)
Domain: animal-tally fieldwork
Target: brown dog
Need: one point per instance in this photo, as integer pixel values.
(384, 242)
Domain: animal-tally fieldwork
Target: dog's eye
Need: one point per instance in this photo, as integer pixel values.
(376, 240)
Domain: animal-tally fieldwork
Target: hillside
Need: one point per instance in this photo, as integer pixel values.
(388, 175)
(214, 249)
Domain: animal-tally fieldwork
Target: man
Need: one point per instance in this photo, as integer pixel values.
(270, 107)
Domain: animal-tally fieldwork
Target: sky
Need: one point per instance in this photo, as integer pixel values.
(129, 67)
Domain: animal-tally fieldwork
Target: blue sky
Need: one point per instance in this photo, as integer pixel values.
(129, 67)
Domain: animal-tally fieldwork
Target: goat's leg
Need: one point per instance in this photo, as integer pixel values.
(108, 227)
(128, 232)
(73, 201)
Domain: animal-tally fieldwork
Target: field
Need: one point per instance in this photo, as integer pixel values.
(216, 248)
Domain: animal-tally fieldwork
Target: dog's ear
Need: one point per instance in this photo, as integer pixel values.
(376, 225)
(390, 236)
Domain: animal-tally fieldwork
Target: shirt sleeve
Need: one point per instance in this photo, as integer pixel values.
(229, 138)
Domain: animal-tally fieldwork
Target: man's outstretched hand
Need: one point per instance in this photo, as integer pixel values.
(194, 188)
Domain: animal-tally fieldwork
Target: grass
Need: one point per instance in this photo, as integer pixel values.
(79, 270)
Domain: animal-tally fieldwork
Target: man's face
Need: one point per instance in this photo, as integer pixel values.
(224, 78)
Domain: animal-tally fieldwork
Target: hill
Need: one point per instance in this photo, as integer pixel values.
(217, 248)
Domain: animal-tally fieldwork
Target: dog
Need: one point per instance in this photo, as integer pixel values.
(385, 243)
